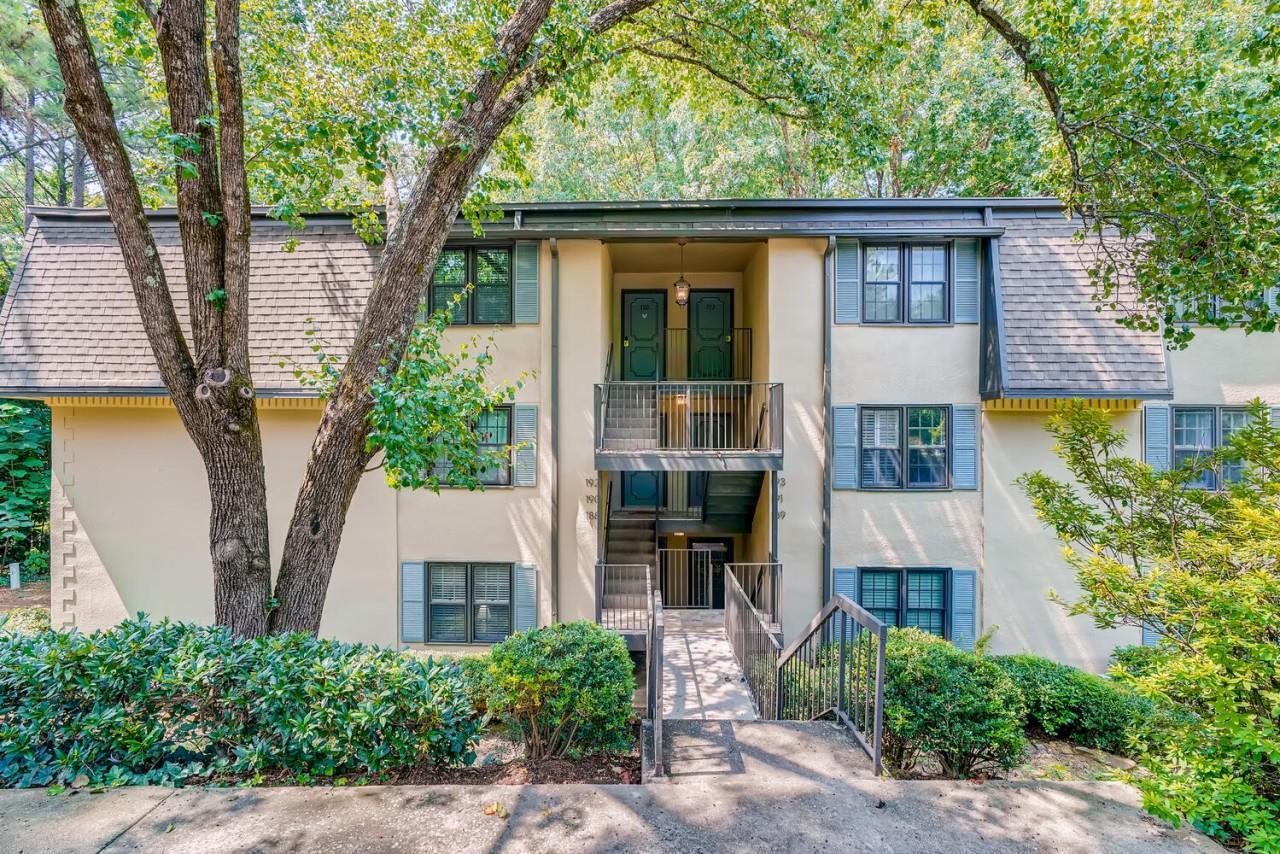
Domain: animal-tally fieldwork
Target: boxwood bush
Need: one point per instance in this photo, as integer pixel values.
(1081, 707)
(959, 708)
(162, 702)
(565, 690)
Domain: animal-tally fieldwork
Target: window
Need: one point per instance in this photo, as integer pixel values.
(906, 597)
(924, 444)
(1198, 431)
(486, 267)
(494, 431)
(468, 602)
(924, 286)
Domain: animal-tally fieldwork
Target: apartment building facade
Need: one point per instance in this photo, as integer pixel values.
(838, 393)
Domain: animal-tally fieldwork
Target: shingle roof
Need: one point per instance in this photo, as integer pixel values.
(1054, 339)
(70, 323)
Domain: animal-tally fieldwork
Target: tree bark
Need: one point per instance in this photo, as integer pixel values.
(212, 392)
(29, 159)
(77, 173)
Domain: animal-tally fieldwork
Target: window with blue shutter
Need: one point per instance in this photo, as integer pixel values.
(1155, 436)
(848, 281)
(964, 608)
(966, 281)
(487, 269)
(964, 447)
(1149, 636)
(526, 597)
(911, 598)
(413, 613)
(844, 431)
(526, 442)
(526, 281)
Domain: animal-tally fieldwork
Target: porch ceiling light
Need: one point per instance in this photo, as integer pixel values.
(682, 284)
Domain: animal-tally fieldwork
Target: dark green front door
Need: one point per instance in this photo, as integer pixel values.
(644, 326)
(640, 488)
(711, 335)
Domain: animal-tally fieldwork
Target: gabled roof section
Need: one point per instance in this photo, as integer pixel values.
(1045, 336)
(69, 324)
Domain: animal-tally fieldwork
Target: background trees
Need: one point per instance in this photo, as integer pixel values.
(1156, 123)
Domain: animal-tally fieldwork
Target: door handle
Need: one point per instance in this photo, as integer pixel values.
(626, 342)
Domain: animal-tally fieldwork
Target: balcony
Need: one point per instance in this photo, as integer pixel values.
(690, 425)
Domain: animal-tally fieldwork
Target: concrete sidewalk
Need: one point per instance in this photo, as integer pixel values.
(774, 788)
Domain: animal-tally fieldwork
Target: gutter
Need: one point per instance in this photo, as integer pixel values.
(555, 430)
(828, 299)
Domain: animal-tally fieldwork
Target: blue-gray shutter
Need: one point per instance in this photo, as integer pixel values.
(966, 281)
(845, 582)
(525, 416)
(526, 597)
(526, 281)
(848, 281)
(413, 608)
(1149, 636)
(964, 608)
(1275, 416)
(964, 447)
(844, 432)
(1273, 299)
(1155, 436)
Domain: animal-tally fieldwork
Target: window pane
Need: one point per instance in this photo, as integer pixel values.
(879, 595)
(928, 302)
(928, 264)
(882, 290)
(926, 446)
(881, 302)
(1192, 440)
(493, 286)
(882, 264)
(881, 448)
(926, 601)
(448, 591)
(491, 592)
(450, 279)
(494, 429)
(1233, 421)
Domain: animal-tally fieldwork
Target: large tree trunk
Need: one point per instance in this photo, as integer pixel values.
(212, 390)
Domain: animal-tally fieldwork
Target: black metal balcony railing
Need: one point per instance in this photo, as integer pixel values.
(689, 416)
(762, 585)
(707, 358)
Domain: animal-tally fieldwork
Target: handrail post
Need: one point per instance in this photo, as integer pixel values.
(599, 591)
(877, 751)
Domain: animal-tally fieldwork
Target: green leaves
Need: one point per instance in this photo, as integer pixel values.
(1201, 570)
(163, 703)
(24, 484)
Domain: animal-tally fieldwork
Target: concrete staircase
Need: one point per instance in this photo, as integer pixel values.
(631, 419)
(630, 540)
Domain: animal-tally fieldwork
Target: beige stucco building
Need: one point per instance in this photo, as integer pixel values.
(842, 393)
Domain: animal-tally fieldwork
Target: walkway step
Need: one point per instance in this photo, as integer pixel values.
(695, 751)
(701, 676)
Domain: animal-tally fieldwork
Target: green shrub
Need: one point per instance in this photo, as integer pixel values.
(1081, 707)
(1136, 660)
(565, 690)
(957, 707)
(163, 702)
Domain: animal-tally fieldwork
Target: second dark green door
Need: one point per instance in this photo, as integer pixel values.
(711, 335)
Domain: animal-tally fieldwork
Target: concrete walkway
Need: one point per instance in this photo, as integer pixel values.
(701, 676)
(761, 787)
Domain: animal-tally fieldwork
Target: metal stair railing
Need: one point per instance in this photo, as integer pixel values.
(655, 694)
(835, 667)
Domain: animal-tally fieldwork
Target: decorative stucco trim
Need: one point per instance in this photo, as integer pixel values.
(161, 402)
(1051, 404)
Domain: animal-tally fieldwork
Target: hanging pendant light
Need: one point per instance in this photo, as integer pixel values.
(682, 284)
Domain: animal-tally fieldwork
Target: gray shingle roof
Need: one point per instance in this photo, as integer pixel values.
(70, 323)
(1054, 340)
